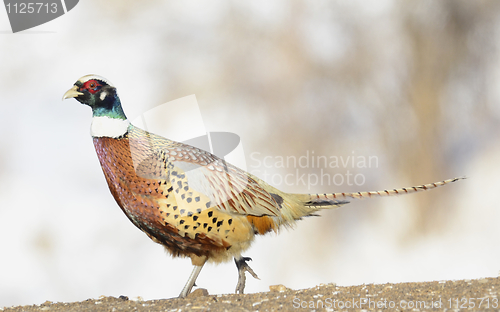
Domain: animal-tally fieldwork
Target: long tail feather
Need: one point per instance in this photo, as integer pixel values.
(339, 199)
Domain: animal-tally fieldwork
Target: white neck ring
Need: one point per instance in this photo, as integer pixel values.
(103, 126)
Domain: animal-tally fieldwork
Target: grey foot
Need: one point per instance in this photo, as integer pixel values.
(191, 281)
(241, 264)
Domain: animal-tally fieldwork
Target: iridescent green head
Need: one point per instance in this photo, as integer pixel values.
(98, 93)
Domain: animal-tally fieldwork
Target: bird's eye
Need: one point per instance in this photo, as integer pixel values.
(92, 86)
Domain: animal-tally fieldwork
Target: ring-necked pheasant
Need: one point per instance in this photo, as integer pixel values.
(188, 200)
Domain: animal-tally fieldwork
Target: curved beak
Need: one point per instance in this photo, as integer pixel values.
(72, 93)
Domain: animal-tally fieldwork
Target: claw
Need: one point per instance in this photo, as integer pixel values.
(241, 264)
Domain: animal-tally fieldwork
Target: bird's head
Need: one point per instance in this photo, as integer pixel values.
(98, 93)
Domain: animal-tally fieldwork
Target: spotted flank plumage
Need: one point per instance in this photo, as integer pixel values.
(190, 201)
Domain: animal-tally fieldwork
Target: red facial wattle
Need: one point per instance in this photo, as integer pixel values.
(92, 86)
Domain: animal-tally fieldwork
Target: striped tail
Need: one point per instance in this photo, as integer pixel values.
(338, 199)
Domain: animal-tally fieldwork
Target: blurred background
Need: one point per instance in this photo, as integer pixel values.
(414, 83)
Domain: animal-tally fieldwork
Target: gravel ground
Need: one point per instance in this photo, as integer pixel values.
(473, 295)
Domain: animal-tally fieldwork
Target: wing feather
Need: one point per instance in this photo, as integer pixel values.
(226, 187)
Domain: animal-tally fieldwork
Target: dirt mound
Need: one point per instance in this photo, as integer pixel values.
(480, 294)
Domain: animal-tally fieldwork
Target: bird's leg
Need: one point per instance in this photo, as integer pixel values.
(192, 279)
(241, 264)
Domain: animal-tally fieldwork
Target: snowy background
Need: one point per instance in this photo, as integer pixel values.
(415, 83)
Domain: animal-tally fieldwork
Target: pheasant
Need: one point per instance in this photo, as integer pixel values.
(190, 201)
